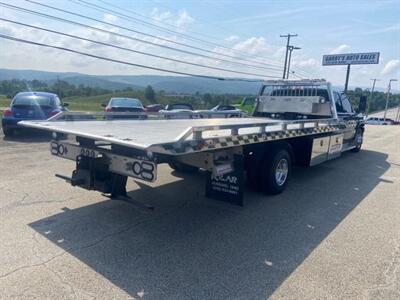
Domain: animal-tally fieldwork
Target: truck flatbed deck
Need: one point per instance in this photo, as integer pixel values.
(152, 134)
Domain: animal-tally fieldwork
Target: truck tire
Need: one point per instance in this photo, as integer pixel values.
(359, 136)
(181, 167)
(277, 167)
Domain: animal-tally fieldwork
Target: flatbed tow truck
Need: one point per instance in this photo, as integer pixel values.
(299, 122)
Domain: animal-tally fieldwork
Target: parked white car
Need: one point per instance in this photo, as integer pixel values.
(378, 121)
(221, 111)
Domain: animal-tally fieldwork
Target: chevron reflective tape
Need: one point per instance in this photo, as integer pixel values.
(240, 140)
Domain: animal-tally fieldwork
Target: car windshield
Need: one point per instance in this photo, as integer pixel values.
(295, 91)
(33, 100)
(249, 102)
(125, 102)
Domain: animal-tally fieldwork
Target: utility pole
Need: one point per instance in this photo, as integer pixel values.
(372, 92)
(291, 48)
(58, 85)
(288, 36)
(346, 85)
(387, 98)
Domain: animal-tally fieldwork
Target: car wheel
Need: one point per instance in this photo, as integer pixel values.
(181, 167)
(8, 132)
(276, 171)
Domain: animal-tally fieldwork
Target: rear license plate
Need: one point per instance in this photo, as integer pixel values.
(128, 166)
(71, 152)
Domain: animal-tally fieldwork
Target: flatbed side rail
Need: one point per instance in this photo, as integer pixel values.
(194, 139)
(197, 132)
(95, 116)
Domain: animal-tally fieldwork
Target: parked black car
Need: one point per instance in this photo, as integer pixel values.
(124, 105)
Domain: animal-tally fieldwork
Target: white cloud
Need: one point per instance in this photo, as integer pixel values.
(184, 19)
(181, 20)
(159, 15)
(259, 52)
(311, 62)
(110, 18)
(231, 38)
(391, 67)
(253, 45)
(340, 49)
(20, 56)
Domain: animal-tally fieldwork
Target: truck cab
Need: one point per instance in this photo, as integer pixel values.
(307, 100)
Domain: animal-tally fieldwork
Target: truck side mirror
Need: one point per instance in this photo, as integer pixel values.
(362, 105)
(103, 105)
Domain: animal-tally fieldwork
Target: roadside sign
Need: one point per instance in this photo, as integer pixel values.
(351, 59)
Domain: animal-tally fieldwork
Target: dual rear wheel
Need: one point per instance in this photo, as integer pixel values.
(270, 172)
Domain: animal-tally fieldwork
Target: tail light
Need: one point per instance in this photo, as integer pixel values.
(8, 112)
(108, 109)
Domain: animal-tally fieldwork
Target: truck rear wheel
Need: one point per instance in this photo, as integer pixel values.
(181, 167)
(277, 167)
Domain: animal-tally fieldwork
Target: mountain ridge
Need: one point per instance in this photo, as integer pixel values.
(169, 84)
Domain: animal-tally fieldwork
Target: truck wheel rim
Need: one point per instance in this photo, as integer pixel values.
(281, 171)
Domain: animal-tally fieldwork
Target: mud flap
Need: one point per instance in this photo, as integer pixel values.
(227, 187)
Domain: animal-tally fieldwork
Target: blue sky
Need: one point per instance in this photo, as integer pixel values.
(251, 28)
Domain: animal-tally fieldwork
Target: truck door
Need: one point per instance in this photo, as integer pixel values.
(346, 115)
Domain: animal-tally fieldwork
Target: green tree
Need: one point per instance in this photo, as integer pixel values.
(207, 98)
(149, 94)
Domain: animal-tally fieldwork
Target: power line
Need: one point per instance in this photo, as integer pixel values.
(137, 20)
(132, 50)
(163, 29)
(125, 62)
(126, 36)
(160, 28)
(149, 18)
(145, 34)
(304, 73)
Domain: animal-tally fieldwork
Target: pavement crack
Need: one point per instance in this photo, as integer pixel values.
(390, 274)
(125, 229)
(21, 294)
(72, 289)
(25, 267)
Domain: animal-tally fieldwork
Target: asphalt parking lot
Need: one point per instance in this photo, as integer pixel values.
(333, 234)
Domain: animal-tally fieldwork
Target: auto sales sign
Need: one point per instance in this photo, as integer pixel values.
(350, 59)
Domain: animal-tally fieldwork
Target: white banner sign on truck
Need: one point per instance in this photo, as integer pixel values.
(350, 59)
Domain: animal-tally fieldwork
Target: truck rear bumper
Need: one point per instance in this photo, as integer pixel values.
(138, 168)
